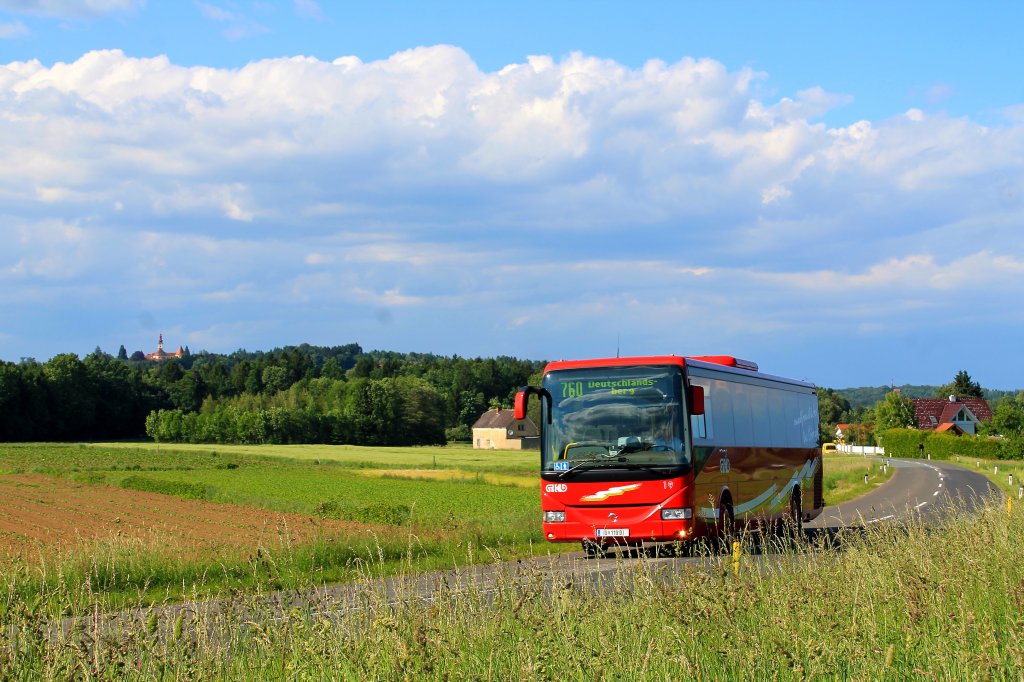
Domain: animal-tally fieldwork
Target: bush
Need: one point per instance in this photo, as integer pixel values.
(905, 442)
(902, 442)
(459, 434)
(945, 446)
(1012, 448)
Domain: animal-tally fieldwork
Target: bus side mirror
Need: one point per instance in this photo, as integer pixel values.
(520, 407)
(696, 400)
(524, 394)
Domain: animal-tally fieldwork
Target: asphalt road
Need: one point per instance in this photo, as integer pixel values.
(918, 488)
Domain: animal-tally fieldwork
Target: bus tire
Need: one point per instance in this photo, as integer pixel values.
(796, 515)
(593, 549)
(726, 525)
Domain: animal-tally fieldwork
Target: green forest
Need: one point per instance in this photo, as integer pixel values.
(336, 394)
(296, 394)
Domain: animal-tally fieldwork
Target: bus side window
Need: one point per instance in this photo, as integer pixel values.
(742, 419)
(702, 425)
(724, 425)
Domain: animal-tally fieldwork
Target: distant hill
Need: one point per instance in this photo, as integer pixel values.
(867, 396)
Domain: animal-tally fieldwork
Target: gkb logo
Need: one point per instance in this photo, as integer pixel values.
(555, 488)
(723, 465)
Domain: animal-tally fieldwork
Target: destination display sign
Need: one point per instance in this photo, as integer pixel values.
(624, 386)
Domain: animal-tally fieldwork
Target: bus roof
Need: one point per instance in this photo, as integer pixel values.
(728, 363)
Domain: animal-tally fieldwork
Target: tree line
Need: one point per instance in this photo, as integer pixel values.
(338, 394)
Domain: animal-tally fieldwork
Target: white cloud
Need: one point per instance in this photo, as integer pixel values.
(970, 274)
(541, 199)
(13, 30)
(70, 9)
(309, 9)
(239, 27)
(318, 259)
(245, 290)
(232, 204)
(214, 12)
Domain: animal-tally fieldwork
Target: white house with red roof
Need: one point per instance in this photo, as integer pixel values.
(936, 414)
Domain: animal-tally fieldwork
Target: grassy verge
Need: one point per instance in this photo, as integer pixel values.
(121, 573)
(844, 477)
(928, 603)
(999, 471)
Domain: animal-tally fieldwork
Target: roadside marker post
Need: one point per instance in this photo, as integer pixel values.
(736, 552)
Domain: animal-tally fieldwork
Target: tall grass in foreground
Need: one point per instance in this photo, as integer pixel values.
(944, 602)
(119, 573)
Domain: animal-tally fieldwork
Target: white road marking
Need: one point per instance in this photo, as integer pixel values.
(918, 506)
(936, 493)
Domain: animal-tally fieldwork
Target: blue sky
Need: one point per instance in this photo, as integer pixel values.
(833, 190)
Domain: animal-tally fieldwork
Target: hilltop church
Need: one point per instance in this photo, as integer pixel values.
(161, 354)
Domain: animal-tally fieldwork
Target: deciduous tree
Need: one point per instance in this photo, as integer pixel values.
(895, 412)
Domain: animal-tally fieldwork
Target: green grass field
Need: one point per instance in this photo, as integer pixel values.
(844, 477)
(448, 457)
(432, 507)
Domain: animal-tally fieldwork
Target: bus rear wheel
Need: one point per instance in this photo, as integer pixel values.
(795, 520)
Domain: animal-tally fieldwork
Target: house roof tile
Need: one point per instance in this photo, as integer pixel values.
(503, 419)
(930, 412)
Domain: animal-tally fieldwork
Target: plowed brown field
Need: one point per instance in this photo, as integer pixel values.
(41, 513)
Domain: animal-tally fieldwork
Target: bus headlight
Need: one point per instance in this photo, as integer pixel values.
(554, 516)
(677, 514)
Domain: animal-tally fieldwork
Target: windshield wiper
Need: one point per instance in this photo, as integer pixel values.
(588, 464)
(644, 467)
(614, 463)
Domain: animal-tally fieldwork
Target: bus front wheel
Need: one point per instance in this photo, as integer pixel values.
(593, 549)
(726, 526)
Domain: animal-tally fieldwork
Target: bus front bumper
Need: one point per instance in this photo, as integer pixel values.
(617, 526)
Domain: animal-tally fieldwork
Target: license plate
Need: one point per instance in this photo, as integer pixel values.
(613, 532)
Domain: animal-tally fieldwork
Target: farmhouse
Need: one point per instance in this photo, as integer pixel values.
(936, 414)
(498, 429)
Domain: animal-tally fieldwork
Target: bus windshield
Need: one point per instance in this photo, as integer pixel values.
(614, 417)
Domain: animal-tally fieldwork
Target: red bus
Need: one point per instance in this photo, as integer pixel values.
(660, 449)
